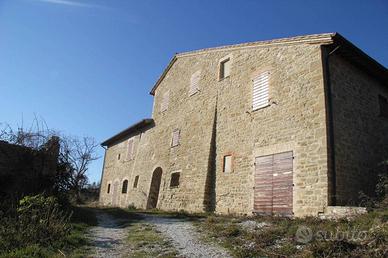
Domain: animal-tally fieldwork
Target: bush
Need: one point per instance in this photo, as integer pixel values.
(33, 251)
(37, 220)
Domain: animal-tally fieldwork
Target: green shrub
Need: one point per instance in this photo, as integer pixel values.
(32, 251)
(37, 220)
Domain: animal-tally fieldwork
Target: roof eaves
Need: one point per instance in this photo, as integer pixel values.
(137, 126)
(360, 58)
(170, 64)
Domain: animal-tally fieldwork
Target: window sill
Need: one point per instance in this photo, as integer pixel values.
(222, 79)
(174, 187)
(256, 109)
(193, 93)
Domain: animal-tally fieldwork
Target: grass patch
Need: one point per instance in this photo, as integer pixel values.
(146, 241)
(76, 243)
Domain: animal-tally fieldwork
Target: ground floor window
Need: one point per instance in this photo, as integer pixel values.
(125, 186)
(175, 179)
(136, 182)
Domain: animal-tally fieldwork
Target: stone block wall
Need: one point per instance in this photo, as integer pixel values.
(294, 121)
(219, 120)
(360, 133)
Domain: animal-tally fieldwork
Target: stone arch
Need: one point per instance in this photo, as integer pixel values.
(124, 186)
(153, 194)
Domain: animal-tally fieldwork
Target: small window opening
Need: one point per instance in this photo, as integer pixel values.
(136, 182)
(227, 164)
(175, 179)
(224, 68)
(118, 156)
(108, 191)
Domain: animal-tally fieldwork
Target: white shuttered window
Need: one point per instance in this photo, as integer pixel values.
(175, 138)
(165, 100)
(130, 149)
(194, 82)
(260, 97)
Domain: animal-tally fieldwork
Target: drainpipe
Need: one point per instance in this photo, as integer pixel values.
(102, 173)
(330, 121)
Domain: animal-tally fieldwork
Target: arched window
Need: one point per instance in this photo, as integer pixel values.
(108, 191)
(125, 186)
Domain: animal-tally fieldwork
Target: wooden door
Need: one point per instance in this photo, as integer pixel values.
(282, 183)
(274, 184)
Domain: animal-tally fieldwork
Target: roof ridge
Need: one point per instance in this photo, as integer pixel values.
(295, 39)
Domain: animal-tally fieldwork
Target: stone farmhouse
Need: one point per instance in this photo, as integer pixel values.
(291, 126)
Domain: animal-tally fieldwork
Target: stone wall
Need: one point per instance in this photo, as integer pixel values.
(361, 135)
(219, 120)
(25, 170)
(294, 121)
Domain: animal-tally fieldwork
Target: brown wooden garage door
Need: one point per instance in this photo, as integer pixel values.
(273, 184)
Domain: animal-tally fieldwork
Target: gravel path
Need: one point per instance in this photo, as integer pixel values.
(185, 238)
(108, 239)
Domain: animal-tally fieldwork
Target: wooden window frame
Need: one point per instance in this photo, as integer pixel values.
(231, 154)
(175, 173)
(136, 181)
(253, 76)
(221, 63)
(179, 138)
(131, 157)
(165, 103)
(196, 90)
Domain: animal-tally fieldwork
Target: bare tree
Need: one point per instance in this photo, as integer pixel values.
(77, 153)
(74, 159)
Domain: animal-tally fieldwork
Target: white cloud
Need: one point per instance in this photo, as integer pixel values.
(71, 3)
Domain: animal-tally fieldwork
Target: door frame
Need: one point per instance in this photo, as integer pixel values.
(273, 150)
(153, 194)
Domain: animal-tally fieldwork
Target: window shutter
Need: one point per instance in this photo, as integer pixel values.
(130, 149)
(165, 100)
(194, 82)
(260, 91)
(175, 138)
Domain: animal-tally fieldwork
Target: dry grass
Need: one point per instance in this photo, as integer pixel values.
(278, 236)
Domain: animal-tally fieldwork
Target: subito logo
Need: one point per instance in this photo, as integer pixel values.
(304, 234)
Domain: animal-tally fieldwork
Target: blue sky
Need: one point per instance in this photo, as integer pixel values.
(86, 67)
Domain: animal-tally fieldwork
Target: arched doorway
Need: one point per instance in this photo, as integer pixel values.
(154, 188)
